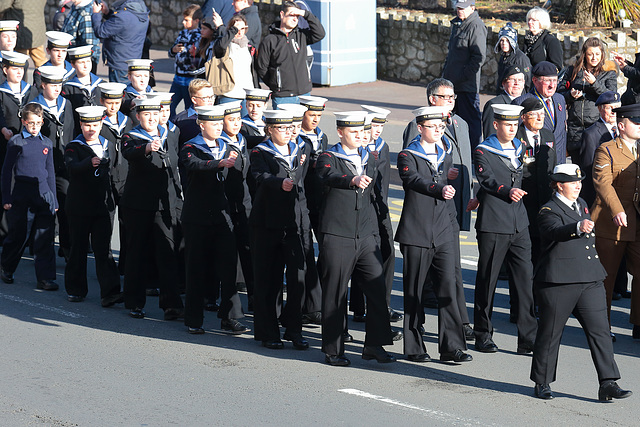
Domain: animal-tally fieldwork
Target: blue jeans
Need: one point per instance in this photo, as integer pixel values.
(286, 100)
(118, 76)
(180, 89)
(225, 100)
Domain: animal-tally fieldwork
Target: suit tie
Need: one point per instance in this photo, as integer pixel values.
(550, 107)
(614, 132)
(536, 141)
(576, 208)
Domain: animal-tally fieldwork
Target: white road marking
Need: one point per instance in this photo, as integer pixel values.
(41, 306)
(439, 415)
(467, 262)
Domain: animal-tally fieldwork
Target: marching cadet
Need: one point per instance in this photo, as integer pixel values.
(89, 208)
(114, 125)
(201, 93)
(138, 74)
(566, 230)
(82, 89)
(275, 240)
(426, 238)
(498, 163)
(57, 45)
(237, 188)
(8, 40)
(348, 243)
(58, 126)
(253, 123)
(148, 207)
(208, 229)
(29, 187)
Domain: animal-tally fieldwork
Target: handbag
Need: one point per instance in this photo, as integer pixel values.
(219, 72)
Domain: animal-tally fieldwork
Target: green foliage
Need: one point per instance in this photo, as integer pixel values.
(610, 9)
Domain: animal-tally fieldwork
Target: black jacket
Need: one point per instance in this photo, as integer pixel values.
(487, 113)
(59, 129)
(466, 52)
(119, 165)
(632, 72)
(592, 137)
(282, 60)
(547, 47)
(254, 32)
(562, 246)
(10, 106)
(313, 183)
(236, 182)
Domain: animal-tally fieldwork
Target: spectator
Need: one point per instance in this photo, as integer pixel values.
(204, 49)
(511, 55)
(285, 40)
(224, 8)
(64, 8)
(631, 71)
(582, 84)
(467, 51)
(32, 26)
(249, 10)
(539, 44)
(78, 24)
(122, 31)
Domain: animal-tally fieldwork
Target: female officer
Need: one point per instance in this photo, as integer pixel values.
(567, 237)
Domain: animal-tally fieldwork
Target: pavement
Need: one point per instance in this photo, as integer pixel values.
(77, 364)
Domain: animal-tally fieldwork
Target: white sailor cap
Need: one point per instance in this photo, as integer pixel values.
(58, 39)
(506, 111)
(314, 103)
(278, 117)
(147, 104)
(231, 107)
(14, 59)
(379, 114)
(296, 109)
(79, 52)
(430, 113)
(368, 119)
(163, 97)
(210, 113)
(52, 74)
(112, 90)
(255, 94)
(9, 25)
(139, 64)
(566, 172)
(90, 113)
(350, 118)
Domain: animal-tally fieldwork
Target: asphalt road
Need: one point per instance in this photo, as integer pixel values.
(67, 364)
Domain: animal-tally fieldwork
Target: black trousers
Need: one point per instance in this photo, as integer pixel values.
(417, 263)
(388, 252)
(312, 288)
(342, 258)
(587, 302)
(62, 185)
(493, 249)
(150, 235)
(29, 199)
(241, 230)
(98, 228)
(211, 257)
(460, 299)
(270, 248)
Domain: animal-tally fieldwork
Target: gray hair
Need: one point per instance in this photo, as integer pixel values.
(437, 84)
(541, 15)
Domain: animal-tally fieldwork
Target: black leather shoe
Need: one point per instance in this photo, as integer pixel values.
(625, 294)
(233, 326)
(112, 300)
(396, 335)
(611, 390)
(394, 316)
(615, 296)
(137, 313)
(347, 337)
(360, 318)
(6, 276)
(613, 336)
(487, 346)
(195, 331)
(47, 285)
(377, 352)
(173, 314)
(525, 348)
(468, 332)
(420, 358)
(635, 334)
(273, 345)
(152, 292)
(457, 356)
(543, 391)
(296, 338)
(339, 360)
(75, 298)
(211, 306)
(314, 318)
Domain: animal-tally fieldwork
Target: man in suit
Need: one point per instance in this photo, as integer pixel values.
(512, 87)
(545, 83)
(567, 239)
(616, 177)
(538, 162)
(601, 131)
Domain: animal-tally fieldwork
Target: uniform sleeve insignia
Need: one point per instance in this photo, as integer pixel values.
(601, 166)
(545, 208)
(406, 168)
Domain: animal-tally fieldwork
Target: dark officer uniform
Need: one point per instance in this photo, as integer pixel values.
(426, 236)
(509, 238)
(562, 291)
(80, 95)
(186, 122)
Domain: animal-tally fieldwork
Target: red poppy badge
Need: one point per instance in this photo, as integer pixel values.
(45, 151)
